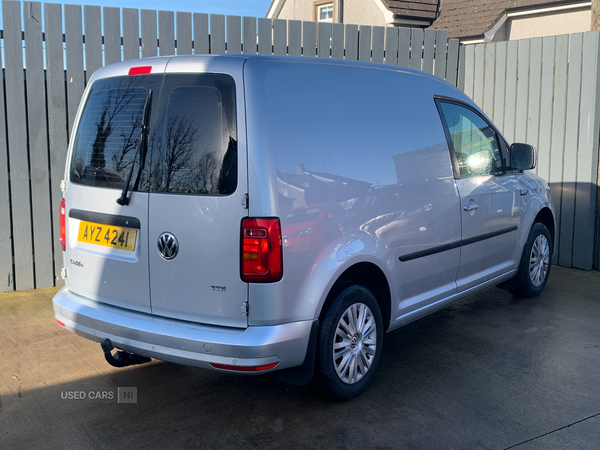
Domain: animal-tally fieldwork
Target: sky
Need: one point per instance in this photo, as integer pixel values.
(253, 8)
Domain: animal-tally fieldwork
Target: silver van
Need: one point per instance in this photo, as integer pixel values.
(253, 214)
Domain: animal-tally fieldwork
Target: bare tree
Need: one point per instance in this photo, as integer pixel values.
(175, 152)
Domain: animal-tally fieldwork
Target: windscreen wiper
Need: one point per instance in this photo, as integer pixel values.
(124, 200)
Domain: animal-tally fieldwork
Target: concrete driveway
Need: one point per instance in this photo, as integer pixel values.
(490, 372)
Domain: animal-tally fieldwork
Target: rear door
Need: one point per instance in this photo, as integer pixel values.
(198, 185)
(491, 204)
(106, 254)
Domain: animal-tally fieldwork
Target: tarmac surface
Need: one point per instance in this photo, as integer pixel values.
(490, 372)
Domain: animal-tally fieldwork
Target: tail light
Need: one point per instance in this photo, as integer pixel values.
(63, 228)
(262, 260)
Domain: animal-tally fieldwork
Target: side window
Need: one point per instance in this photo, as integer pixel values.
(473, 140)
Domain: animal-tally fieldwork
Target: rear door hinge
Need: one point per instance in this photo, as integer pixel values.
(245, 201)
(245, 309)
(63, 273)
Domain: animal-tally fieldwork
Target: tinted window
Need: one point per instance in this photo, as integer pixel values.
(474, 141)
(108, 135)
(192, 142)
(194, 147)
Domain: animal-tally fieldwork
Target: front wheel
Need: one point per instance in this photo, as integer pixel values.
(349, 343)
(534, 269)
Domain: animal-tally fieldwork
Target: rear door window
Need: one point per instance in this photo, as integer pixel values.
(192, 140)
(194, 149)
(107, 143)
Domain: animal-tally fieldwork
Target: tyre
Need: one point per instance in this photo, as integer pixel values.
(350, 342)
(534, 268)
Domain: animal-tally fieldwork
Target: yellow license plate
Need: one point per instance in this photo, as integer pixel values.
(107, 235)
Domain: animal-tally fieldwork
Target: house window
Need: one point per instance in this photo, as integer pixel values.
(324, 12)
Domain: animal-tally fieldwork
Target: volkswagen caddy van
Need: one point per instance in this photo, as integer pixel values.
(253, 214)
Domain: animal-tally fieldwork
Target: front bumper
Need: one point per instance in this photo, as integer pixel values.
(180, 341)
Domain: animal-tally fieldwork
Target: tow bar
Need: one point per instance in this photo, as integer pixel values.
(121, 358)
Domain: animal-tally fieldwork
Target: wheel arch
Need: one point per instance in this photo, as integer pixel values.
(368, 275)
(546, 217)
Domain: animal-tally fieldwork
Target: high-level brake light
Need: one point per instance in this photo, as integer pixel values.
(140, 70)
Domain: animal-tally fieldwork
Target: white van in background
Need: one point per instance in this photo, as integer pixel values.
(251, 214)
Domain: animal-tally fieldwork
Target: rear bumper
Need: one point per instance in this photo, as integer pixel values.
(183, 342)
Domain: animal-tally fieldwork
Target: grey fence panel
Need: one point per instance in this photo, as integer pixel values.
(351, 42)
(391, 46)
(92, 17)
(149, 33)
(217, 34)
(535, 82)
(166, 33)
(499, 85)
(280, 37)
(478, 79)
(17, 151)
(234, 34)
(416, 48)
(337, 40)
(309, 39)
(265, 36)
(324, 38)
(469, 70)
(565, 255)
(184, 33)
(452, 61)
(377, 44)
(201, 38)
(131, 34)
(6, 256)
(249, 35)
(489, 73)
(428, 50)
(112, 35)
(74, 55)
(587, 157)
(549, 88)
(441, 53)
(57, 120)
(510, 102)
(294, 38)
(558, 128)
(404, 47)
(38, 145)
(522, 90)
(364, 43)
(461, 69)
(546, 87)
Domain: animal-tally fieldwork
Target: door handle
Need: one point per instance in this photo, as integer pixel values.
(470, 207)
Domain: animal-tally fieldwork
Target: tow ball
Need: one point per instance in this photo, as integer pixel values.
(121, 358)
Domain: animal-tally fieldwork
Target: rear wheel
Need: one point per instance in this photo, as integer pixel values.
(534, 269)
(350, 343)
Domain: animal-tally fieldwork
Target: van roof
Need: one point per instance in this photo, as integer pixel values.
(202, 62)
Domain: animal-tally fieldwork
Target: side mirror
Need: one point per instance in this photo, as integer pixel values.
(522, 156)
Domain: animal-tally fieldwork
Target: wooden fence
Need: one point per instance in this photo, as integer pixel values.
(46, 67)
(544, 91)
